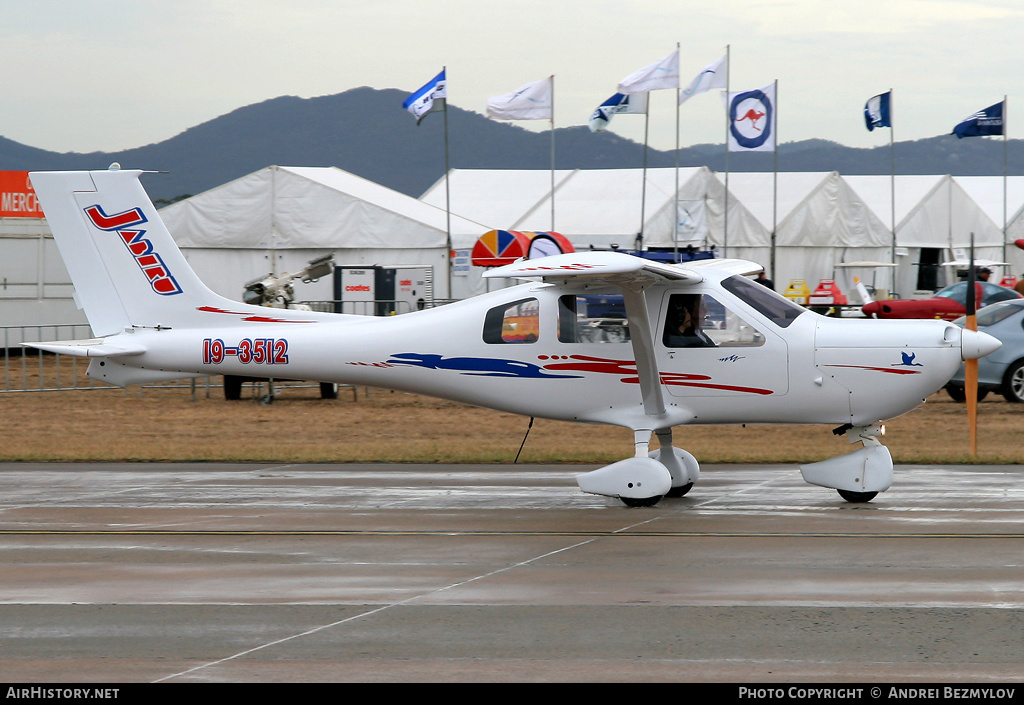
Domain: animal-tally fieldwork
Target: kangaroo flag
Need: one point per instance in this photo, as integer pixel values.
(618, 103)
(422, 102)
(711, 76)
(876, 111)
(660, 74)
(533, 101)
(752, 120)
(984, 122)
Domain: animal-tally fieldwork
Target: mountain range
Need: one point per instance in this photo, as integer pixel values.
(365, 131)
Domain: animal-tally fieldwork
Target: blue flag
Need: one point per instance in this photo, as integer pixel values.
(421, 103)
(618, 103)
(877, 112)
(984, 122)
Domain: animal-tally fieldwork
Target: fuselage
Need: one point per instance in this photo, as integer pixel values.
(531, 350)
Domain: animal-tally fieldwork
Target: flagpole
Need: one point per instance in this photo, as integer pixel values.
(675, 213)
(775, 178)
(892, 189)
(1004, 175)
(447, 195)
(643, 179)
(552, 152)
(725, 209)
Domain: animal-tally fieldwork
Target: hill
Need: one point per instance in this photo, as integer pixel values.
(365, 131)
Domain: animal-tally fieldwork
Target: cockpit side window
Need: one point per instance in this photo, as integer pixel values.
(778, 309)
(512, 323)
(701, 321)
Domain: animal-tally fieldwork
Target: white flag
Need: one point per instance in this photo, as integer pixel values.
(752, 120)
(714, 75)
(533, 101)
(661, 74)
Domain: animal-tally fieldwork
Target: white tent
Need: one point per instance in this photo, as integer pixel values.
(819, 222)
(599, 207)
(934, 214)
(988, 192)
(278, 218)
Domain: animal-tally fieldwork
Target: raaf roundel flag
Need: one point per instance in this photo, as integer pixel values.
(752, 120)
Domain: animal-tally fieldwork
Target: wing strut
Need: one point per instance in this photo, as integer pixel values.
(642, 338)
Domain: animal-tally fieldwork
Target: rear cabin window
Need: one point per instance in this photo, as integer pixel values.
(517, 322)
(592, 319)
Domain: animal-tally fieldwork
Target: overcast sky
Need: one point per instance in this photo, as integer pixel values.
(89, 75)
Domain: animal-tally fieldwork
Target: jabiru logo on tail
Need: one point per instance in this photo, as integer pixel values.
(152, 265)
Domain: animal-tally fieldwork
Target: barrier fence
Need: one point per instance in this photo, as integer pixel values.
(28, 369)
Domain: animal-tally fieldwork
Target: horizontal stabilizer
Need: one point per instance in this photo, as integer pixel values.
(93, 347)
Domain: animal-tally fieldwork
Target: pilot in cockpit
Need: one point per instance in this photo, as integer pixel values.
(683, 323)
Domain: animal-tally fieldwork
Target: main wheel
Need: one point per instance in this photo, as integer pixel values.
(232, 387)
(1013, 383)
(641, 501)
(328, 390)
(856, 497)
(679, 491)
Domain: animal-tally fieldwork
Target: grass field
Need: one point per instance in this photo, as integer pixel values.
(382, 426)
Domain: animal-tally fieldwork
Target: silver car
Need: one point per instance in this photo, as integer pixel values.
(1003, 370)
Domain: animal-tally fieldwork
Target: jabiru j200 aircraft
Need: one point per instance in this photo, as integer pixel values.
(695, 343)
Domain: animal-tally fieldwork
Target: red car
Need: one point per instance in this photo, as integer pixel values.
(947, 304)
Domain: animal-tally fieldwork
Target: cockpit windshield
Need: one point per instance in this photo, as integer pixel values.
(778, 309)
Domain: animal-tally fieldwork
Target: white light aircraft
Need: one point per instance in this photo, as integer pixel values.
(598, 337)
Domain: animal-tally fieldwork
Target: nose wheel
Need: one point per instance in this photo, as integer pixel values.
(856, 497)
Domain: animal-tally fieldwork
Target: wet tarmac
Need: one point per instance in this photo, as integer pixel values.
(288, 573)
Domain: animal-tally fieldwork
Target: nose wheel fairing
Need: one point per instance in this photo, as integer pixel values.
(859, 475)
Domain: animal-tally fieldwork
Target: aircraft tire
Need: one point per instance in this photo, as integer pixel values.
(856, 497)
(958, 394)
(328, 390)
(679, 491)
(641, 501)
(232, 387)
(1013, 383)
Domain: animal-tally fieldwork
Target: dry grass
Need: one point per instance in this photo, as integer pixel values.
(166, 425)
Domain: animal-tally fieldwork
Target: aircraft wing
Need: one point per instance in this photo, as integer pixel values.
(611, 267)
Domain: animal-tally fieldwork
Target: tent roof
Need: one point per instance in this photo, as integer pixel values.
(876, 192)
(497, 198)
(755, 190)
(987, 192)
(311, 207)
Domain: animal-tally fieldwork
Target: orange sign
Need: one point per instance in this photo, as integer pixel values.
(17, 199)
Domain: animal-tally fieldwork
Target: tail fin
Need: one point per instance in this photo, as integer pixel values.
(126, 268)
(862, 291)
